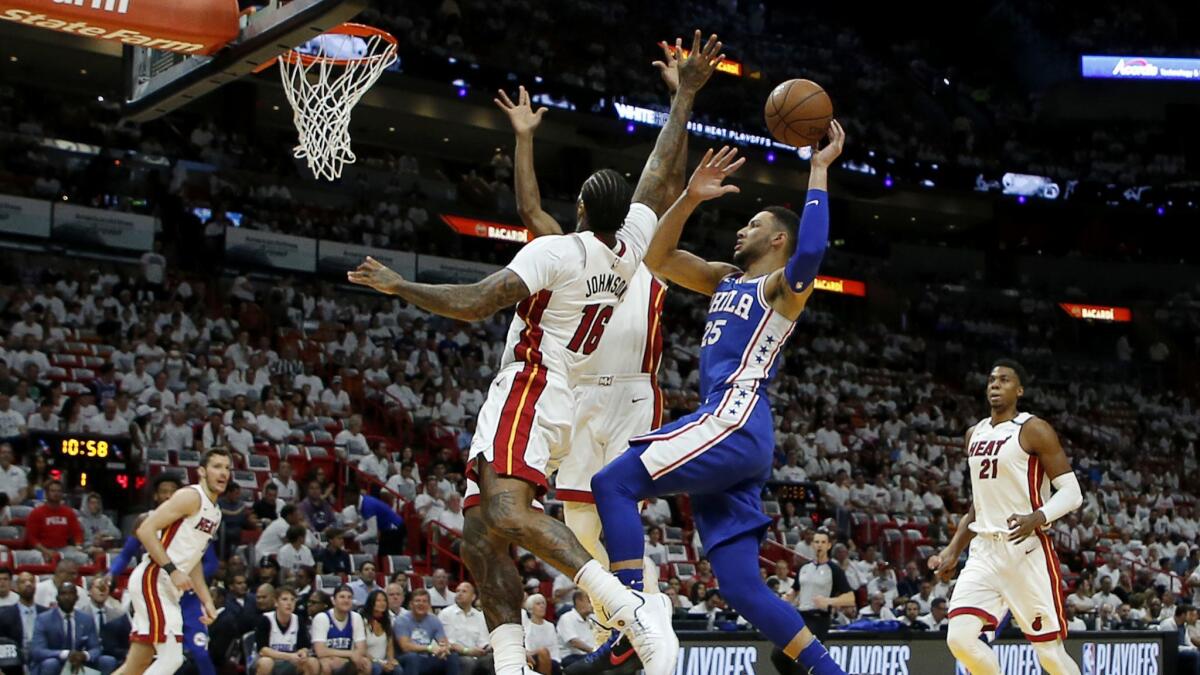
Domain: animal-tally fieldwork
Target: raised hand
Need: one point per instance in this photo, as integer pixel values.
(699, 64)
(520, 114)
(669, 66)
(374, 274)
(824, 158)
(707, 180)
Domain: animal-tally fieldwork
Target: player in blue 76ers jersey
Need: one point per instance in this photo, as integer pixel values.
(722, 454)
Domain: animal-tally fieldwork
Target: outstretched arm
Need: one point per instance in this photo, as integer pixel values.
(653, 185)
(788, 289)
(680, 267)
(465, 302)
(529, 199)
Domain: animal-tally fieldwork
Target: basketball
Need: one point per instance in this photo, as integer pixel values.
(798, 112)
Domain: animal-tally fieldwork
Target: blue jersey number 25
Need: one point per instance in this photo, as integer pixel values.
(712, 332)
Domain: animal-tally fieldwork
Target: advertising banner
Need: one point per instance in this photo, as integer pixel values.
(1139, 68)
(101, 228)
(486, 229)
(1105, 653)
(336, 258)
(268, 249)
(1097, 312)
(24, 216)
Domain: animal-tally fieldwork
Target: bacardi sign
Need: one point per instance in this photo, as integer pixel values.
(486, 229)
(1097, 312)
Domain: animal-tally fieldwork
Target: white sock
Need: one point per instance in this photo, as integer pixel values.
(602, 585)
(508, 649)
(649, 575)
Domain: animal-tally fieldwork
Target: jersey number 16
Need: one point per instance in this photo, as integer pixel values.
(591, 329)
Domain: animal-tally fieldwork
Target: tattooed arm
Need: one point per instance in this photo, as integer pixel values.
(659, 173)
(465, 302)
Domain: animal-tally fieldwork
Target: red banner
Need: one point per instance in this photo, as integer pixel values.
(486, 229)
(184, 26)
(1097, 312)
(843, 286)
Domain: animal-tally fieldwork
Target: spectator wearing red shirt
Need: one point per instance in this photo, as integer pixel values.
(54, 527)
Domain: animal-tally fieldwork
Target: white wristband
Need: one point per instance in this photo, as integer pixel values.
(1067, 497)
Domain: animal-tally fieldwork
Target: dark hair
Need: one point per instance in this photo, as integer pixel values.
(368, 562)
(787, 220)
(340, 588)
(368, 611)
(1022, 375)
(825, 531)
(5, 570)
(937, 602)
(295, 532)
(214, 452)
(287, 510)
(417, 592)
(53, 481)
(279, 592)
(606, 196)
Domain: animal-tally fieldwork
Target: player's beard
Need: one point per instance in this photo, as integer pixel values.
(745, 256)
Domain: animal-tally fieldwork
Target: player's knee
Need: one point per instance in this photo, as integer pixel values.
(264, 665)
(504, 516)
(962, 635)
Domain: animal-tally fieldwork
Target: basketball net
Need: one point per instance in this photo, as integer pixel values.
(324, 79)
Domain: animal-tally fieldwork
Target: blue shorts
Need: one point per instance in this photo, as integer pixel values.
(722, 456)
(195, 634)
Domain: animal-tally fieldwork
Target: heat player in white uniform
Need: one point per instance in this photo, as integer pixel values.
(1013, 458)
(175, 536)
(567, 288)
(617, 395)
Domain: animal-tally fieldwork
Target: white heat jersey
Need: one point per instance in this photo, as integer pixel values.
(633, 338)
(187, 538)
(1005, 479)
(575, 284)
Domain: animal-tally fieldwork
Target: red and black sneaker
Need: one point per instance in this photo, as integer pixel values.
(614, 656)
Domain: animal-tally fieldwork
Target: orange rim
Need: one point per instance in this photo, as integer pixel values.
(354, 29)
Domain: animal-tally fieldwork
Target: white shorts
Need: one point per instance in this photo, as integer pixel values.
(154, 607)
(1023, 578)
(609, 410)
(523, 429)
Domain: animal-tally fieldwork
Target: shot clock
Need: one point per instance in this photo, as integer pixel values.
(91, 462)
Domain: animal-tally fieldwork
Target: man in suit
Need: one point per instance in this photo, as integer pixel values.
(112, 623)
(64, 636)
(17, 621)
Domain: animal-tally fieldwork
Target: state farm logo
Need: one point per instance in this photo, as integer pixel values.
(118, 6)
(1135, 68)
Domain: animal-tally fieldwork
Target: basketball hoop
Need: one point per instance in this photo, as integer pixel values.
(324, 79)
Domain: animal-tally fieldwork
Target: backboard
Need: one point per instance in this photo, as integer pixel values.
(157, 82)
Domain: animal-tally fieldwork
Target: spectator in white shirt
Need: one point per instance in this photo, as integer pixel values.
(399, 393)
(12, 423)
(440, 595)
(335, 399)
(575, 630)
(177, 434)
(13, 480)
(45, 419)
(192, 395)
(294, 555)
(452, 410)
(403, 482)
(288, 489)
(353, 443)
(791, 472)
(657, 512)
(239, 437)
(139, 380)
(315, 385)
(166, 397)
(466, 629)
(656, 550)
(541, 638)
(270, 425)
(429, 503)
(213, 434)
(451, 516)
(21, 402)
(239, 352)
(27, 326)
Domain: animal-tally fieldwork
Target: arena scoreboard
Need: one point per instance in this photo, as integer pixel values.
(91, 462)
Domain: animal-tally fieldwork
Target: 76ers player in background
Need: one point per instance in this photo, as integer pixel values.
(722, 454)
(1011, 456)
(175, 536)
